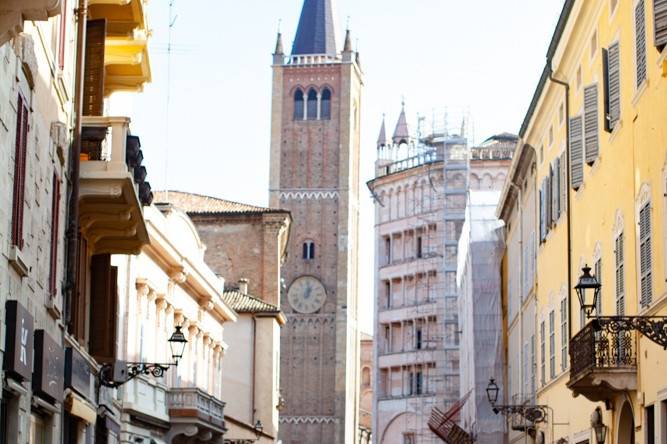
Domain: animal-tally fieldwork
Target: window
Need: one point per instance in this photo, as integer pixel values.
(308, 252)
(645, 258)
(533, 365)
(38, 429)
(409, 438)
(19, 172)
(366, 376)
(103, 284)
(418, 339)
(551, 135)
(563, 334)
(325, 107)
(598, 276)
(640, 42)
(62, 43)
(649, 413)
(561, 113)
(387, 250)
(419, 383)
(543, 354)
(591, 123)
(660, 23)
(576, 153)
(663, 416)
(541, 153)
(419, 247)
(387, 339)
(579, 78)
(612, 86)
(55, 222)
(594, 44)
(620, 276)
(552, 344)
(311, 106)
(298, 105)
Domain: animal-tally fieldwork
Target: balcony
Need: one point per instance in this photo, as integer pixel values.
(14, 12)
(145, 398)
(127, 65)
(113, 189)
(193, 412)
(603, 360)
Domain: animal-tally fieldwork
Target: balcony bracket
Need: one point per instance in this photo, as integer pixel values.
(652, 327)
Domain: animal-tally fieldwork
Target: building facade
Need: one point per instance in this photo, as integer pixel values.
(314, 173)
(594, 149)
(419, 209)
(366, 390)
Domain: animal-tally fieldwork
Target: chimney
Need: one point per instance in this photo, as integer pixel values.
(243, 285)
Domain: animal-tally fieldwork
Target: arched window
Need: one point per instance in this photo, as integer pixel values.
(366, 376)
(298, 105)
(308, 252)
(311, 111)
(325, 107)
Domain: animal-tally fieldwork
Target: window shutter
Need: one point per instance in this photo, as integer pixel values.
(640, 41)
(645, 260)
(18, 203)
(103, 307)
(548, 202)
(591, 123)
(620, 282)
(576, 153)
(660, 24)
(563, 182)
(542, 213)
(556, 189)
(598, 276)
(613, 85)
(55, 226)
(93, 80)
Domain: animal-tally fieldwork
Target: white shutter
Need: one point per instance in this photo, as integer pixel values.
(591, 123)
(660, 22)
(645, 261)
(640, 41)
(576, 153)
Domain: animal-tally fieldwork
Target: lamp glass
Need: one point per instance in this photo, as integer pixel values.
(177, 343)
(588, 285)
(492, 391)
(601, 433)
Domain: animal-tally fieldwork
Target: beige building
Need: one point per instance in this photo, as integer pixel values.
(366, 390)
(247, 245)
(314, 173)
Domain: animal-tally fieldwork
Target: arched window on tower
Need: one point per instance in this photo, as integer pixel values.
(308, 252)
(325, 109)
(311, 111)
(298, 105)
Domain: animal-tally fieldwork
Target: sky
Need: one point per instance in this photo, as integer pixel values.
(204, 123)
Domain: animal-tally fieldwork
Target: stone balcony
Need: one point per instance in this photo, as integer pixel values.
(195, 416)
(603, 360)
(145, 398)
(113, 189)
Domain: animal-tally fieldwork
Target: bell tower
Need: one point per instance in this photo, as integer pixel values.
(315, 122)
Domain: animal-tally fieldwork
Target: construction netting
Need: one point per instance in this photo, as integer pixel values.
(480, 317)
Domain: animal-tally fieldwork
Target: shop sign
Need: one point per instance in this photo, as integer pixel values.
(18, 345)
(47, 378)
(77, 372)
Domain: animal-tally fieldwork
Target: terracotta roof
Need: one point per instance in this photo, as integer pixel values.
(193, 203)
(245, 303)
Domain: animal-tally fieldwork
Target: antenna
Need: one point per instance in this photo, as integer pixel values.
(172, 22)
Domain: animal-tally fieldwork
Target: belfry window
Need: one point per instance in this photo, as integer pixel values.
(308, 250)
(311, 111)
(325, 107)
(298, 105)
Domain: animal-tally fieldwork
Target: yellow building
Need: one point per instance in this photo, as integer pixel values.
(594, 156)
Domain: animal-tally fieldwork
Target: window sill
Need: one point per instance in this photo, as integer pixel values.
(662, 62)
(640, 91)
(18, 262)
(615, 131)
(655, 307)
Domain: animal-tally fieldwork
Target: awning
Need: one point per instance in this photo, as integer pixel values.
(79, 407)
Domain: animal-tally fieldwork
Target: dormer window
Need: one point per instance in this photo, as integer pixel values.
(308, 252)
(311, 111)
(325, 108)
(298, 105)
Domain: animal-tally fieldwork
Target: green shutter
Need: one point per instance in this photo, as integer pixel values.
(614, 84)
(640, 41)
(576, 153)
(591, 123)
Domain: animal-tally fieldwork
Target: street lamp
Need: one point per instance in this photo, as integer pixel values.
(652, 327)
(598, 426)
(116, 374)
(588, 282)
(532, 413)
(259, 428)
(492, 394)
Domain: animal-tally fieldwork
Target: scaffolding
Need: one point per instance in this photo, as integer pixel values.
(432, 211)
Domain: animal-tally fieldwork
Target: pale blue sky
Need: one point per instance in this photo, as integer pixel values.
(483, 55)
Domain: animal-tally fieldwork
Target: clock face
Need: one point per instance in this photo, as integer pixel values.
(306, 294)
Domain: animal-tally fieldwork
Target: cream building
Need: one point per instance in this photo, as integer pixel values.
(366, 390)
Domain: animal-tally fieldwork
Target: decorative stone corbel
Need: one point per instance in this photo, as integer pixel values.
(25, 49)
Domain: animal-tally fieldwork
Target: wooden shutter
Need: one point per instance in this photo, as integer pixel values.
(640, 41)
(21, 153)
(660, 23)
(77, 306)
(620, 278)
(556, 189)
(103, 307)
(93, 81)
(576, 153)
(613, 86)
(591, 123)
(645, 260)
(548, 202)
(542, 213)
(563, 182)
(55, 226)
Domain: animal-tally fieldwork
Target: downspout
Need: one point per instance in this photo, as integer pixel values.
(72, 232)
(521, 274)
(569, 203)
(254, 375)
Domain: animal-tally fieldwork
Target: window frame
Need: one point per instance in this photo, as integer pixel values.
(20, 170)
(552, 344)
(299, 113)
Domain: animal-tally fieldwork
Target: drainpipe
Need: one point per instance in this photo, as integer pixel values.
(569, 199)
(73, 207)
(521, 274)
(254, 376)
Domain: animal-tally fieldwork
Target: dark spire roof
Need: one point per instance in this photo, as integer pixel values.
(347, 46)
(382, 138)
(316, 31)
(279, 45)
(401, 133)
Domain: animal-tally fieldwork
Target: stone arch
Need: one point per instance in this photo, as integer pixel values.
(487, 181)
(393, 432)
(626, 425)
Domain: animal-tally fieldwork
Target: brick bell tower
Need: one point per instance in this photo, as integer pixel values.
(315, 122)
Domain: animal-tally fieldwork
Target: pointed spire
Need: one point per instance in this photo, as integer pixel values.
(316, 31)
(347, 46)
(401, 133)
(279, 45)
(382, 138)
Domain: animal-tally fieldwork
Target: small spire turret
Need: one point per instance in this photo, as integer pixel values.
(382, 138)
(401, 133)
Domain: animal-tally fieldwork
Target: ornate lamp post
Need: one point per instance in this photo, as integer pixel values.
(588, 291)
(117, 374)
(532, 413)
(259, 429)
(598, 426)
